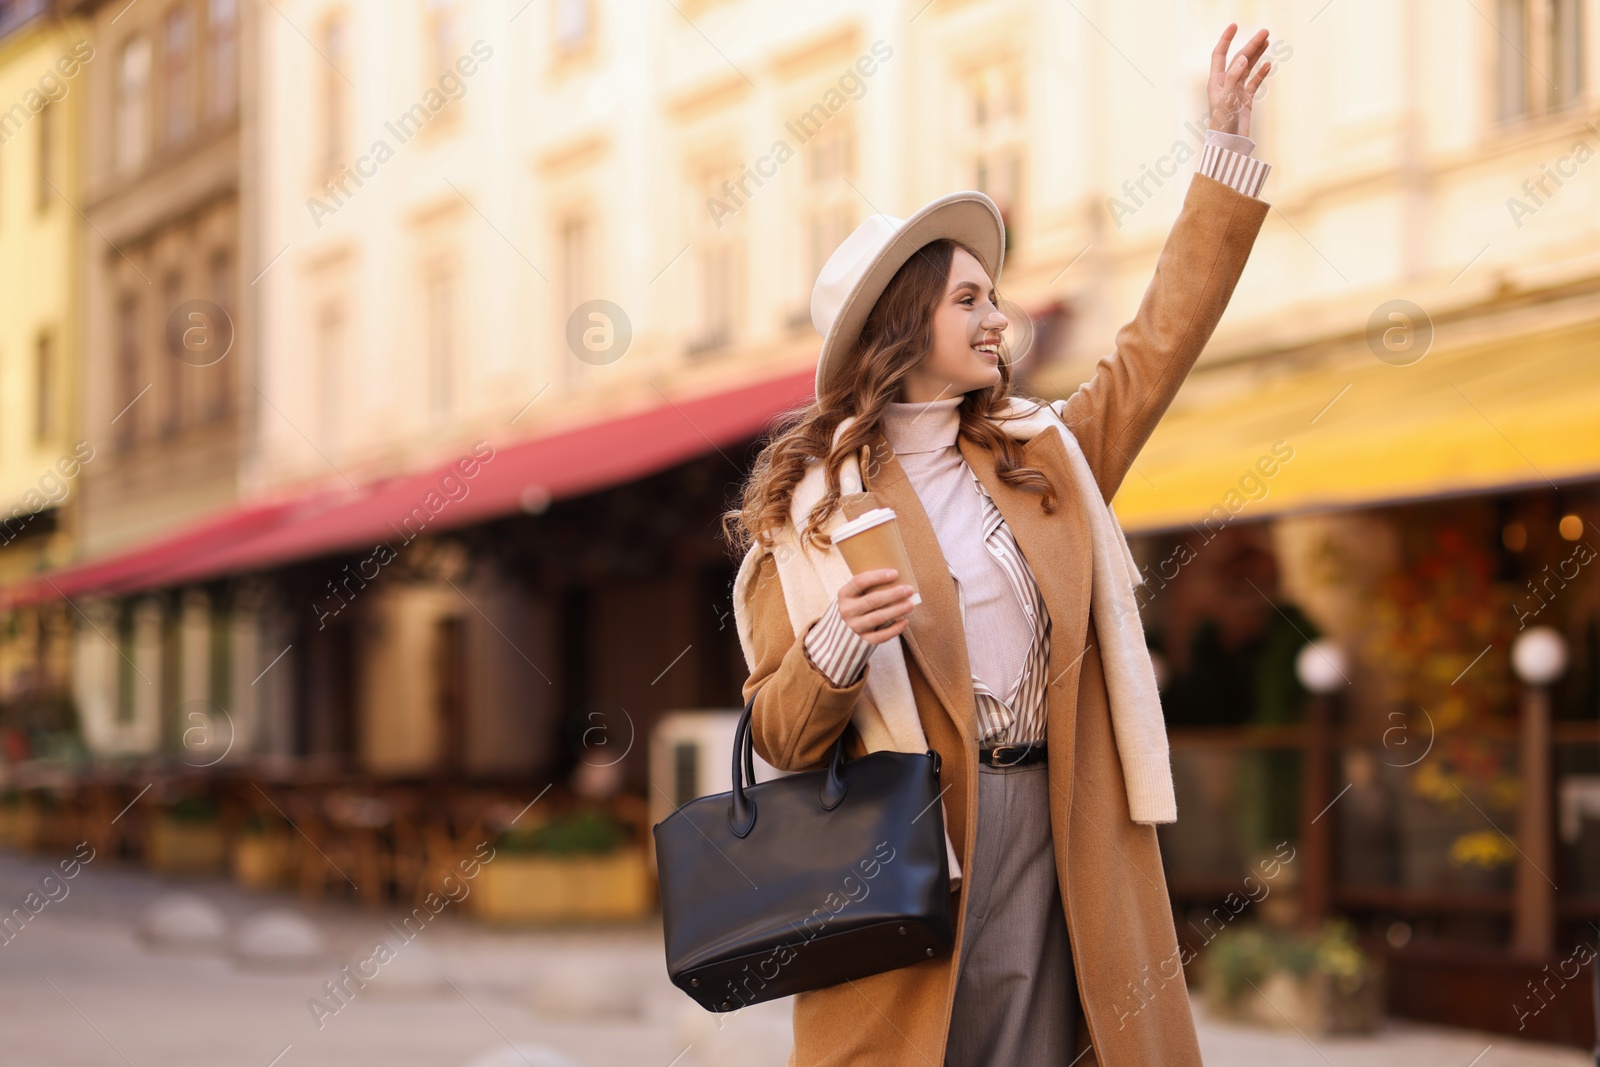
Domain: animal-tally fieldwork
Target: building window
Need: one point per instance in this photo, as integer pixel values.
(1564, 36)
(1539, 57)
(335, 100)
(828, 214)
(133, 104)
(719, 281)
(219, 375)
(169, 372)
(1513, 79)
(573, 24)
(442, 32)
(177, 72)
(331, 357)
(441, 47)
(222, 61)
(129, 384)
(44, 372)
(577, 284)
(45, 161)
(995, 137)
(719, 255)
(442, 347)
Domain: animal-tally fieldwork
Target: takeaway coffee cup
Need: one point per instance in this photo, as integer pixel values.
(872, 540)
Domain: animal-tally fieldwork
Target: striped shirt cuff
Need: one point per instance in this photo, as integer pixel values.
(1226, 158)
(837, 651)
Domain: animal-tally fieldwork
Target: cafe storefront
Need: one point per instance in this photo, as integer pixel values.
(1418, 544)
(338, 690)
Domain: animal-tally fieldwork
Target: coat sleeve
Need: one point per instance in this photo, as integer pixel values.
(798, 712)
(1113, 414)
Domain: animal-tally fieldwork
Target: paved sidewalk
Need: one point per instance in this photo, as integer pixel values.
(80, 988)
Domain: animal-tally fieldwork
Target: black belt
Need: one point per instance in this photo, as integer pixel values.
(1012, 755)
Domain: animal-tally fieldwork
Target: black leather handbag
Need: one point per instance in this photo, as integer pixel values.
(806, 880)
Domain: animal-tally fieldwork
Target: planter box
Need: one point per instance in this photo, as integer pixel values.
(1483, 988)
(19, 826)
(527, 887)
(176, 846)
(261, 861)
(1314, 1004)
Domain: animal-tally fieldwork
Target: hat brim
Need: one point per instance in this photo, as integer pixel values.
(969, 218)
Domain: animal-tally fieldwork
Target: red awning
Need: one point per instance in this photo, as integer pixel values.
(125, 569)
(499, 480)
(520, 475)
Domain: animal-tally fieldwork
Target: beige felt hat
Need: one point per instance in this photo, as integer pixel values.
(850, 283)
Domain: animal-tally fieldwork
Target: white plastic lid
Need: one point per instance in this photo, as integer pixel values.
(865, 521)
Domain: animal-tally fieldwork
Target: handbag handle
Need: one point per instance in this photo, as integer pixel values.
(742, 810)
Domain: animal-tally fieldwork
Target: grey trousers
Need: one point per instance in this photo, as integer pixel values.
(1016, 993)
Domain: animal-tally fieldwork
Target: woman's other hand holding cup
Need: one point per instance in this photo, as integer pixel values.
(876, 606)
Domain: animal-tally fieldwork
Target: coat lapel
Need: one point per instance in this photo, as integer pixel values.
(1056, 546)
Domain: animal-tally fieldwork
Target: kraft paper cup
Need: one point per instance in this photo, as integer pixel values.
(871, 541)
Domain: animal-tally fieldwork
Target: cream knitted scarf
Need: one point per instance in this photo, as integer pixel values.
(886, 715)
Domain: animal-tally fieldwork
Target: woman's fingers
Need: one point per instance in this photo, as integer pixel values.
(871, 620)
(1260, 75)
(866, 581)
(879, 626)
(893, 630)
(1235, 71)
(1219, 54)
(875, 597)
(1252, 50)
(874, 606)
(881, 605)
(895, 600)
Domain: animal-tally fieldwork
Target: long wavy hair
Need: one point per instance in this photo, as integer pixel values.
(897, 334)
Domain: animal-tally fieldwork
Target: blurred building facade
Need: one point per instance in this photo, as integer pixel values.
(513, 290)
(159, 194)
(43, 65)
(163, 160)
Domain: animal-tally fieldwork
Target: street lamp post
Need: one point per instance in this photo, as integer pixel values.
(1320, 669)
(1539, 657)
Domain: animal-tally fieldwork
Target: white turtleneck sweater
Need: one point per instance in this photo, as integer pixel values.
(1006, 624)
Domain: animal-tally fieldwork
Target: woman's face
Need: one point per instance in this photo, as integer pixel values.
(967, 327)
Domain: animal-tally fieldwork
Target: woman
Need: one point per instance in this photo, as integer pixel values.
(1054, 763)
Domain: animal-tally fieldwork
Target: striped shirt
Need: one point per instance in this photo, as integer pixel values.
(1234, 169)
(1017, 714)
(1008, 627)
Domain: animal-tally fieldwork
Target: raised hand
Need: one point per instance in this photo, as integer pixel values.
(1231, 89)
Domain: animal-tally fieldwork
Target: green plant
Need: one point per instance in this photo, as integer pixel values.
(195, 808)
(587, 831)
(256, 824)
(1341, 959)
(1244, 956)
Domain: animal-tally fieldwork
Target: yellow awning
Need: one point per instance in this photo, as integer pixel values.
(1361, 431)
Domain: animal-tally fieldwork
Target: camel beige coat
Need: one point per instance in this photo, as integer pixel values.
(1134, 1003)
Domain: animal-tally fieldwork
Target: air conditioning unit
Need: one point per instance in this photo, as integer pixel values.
(691, 755)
